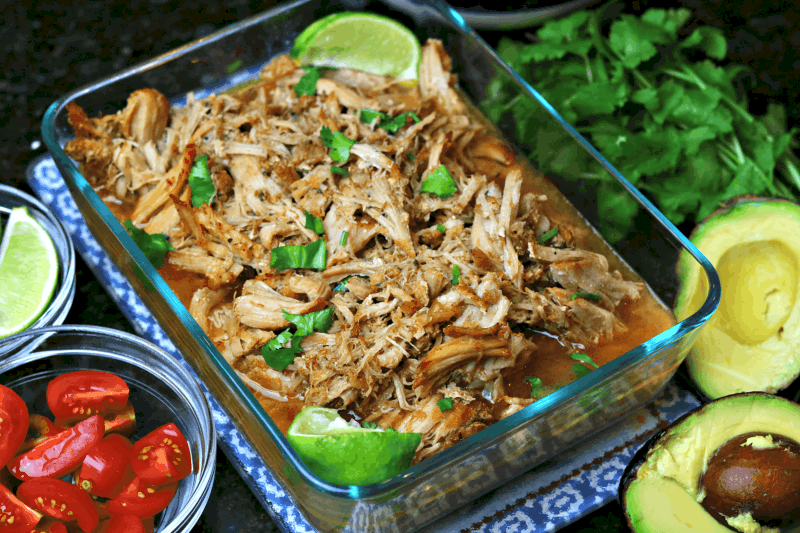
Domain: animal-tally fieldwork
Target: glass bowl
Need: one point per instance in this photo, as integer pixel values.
(493, 456)
(64, 293)
(161, 391)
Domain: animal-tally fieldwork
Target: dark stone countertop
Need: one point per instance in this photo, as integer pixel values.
(52, 47)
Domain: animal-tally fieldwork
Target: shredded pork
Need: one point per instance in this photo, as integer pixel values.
(404, 335)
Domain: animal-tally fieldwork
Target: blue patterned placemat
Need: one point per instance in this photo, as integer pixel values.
(543, 499)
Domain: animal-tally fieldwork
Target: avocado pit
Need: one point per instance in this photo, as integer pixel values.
(756, 474)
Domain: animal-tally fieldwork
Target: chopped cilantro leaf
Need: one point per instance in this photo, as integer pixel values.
(340, 170)
(343, 241)
(536, 386)
(589, 295)
(308, 83)
(369, 425)
(277, 357)
(310, 322)
(440, 183)
(200, 182)
(391, 430)
(337, 142)
(411, 157)
(233, 67)
(154, 246)
(445, 404)
(388, 123)
(547, 236)
(441, 228)
(583, 358)
(313, 223)
(313, 255)
(456, 274)
(580, 370)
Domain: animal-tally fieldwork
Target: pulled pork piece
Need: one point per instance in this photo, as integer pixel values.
(426, 290)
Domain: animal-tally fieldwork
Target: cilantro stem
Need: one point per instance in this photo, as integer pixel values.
(690, 76)
(793, 173)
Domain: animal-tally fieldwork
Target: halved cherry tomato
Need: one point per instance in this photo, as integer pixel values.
(61, 454)
(13, 423)
(39, 430)
(61, 500)
(15, 516)
(106, 469)
(122, 524)
(86, 392)
(122, 422)
(142, 499)
(162, 456)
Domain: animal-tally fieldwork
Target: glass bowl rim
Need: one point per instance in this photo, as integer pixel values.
(182, 377)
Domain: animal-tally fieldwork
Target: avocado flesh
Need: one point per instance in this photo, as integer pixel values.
(664, 495)
(753, 342)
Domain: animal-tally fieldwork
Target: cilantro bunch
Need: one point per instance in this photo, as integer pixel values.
(657, 102)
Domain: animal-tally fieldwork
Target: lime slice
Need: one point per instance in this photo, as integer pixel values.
(341, 453)
(28, 272)
(360, 41)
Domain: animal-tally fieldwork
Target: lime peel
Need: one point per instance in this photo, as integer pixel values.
(28, 272)
(360, 41)
(346, 454)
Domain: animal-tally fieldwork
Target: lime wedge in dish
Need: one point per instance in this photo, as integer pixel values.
(360, 41)
(28, 272)
(344, 454)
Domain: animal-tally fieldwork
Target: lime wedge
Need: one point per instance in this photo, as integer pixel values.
(341, 453)
(28, 272)
(360, 41)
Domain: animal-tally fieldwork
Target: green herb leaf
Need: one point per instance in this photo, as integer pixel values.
(536, 386)
(310, 322)
(313, 255)
(580, 370)
(337, 142)
(440, 183)
(441, 228)
(445, 404)
(589, 295)
(342, 286)
(276, 356)
(386, 122)
(548, 235)
(234, 66)
(313, 223)
(709, 39)
(583, 358)
(343, 241)
(370, 425)
(340, 170)
(200, 182)
(308, 83)
(154, 246)
(411, 157)
(456, 274)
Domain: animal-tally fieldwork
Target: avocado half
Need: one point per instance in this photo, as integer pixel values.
(659, 490)
(752, 343)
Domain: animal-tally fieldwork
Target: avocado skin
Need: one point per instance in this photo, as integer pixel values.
(661, 438)
(720, 363)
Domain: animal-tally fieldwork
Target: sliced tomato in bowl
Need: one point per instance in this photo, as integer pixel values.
(13, 423)
(106, 469)
(15, 516)
(61, 500)
(40, 428)
(162, 456)
(83, 393)
(142, 499)
(61, 454)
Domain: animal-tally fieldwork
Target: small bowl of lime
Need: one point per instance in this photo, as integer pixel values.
(37, 265)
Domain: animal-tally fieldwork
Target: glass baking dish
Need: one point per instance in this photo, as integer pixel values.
(493, 456)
